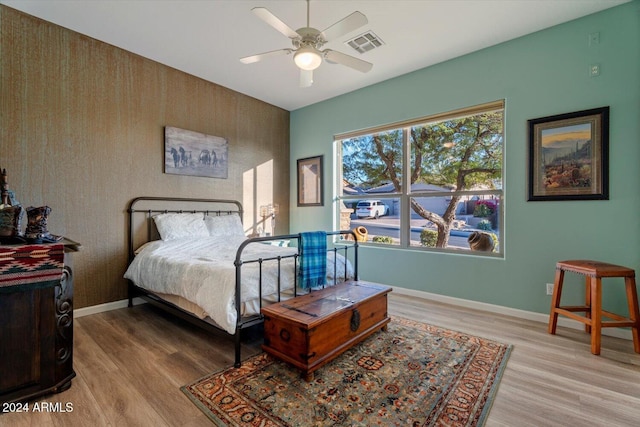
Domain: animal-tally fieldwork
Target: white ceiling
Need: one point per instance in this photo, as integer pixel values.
(206, 38)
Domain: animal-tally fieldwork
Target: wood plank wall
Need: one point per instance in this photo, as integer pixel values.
(82, 131)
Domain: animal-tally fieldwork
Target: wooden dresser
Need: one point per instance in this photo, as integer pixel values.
(311, 330)
(36, 320)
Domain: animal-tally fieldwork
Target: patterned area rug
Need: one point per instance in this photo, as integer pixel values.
(411, 374)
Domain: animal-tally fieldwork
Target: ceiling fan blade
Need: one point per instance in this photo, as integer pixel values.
(274, 21)
(306, 78)
(259, 57)
(348, 60)
(346, 25)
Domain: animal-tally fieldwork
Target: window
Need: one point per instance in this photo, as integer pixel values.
(434, 183)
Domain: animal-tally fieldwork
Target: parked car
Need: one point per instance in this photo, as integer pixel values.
(371, 209)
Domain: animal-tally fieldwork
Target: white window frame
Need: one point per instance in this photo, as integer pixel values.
(406, 194)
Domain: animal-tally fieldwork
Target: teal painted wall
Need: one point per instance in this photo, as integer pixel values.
(542, 74)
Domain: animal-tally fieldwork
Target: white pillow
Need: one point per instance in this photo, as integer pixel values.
(178, 225)
(142, 247)
(224, 225)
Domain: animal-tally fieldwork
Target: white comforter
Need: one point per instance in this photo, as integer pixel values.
(201, 270)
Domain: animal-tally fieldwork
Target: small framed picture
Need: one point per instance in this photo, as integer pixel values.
(569, 156)
(310, 187)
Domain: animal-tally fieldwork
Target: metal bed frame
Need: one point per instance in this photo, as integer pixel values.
(142, 229)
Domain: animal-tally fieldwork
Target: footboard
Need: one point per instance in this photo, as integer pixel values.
(342, 245)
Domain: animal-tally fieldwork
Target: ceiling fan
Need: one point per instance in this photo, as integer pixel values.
(308, 41)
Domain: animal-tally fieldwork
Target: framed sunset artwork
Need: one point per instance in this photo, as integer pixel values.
(569, 156)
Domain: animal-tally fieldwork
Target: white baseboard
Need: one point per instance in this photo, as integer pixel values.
(498, 309)
(491, 308)
(101, 308)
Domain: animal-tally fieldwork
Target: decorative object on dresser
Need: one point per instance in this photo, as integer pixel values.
(37, 231)
(412, 374)
(10, 214)
(11, 219)
(219, 279)
(36, 319)
(311, 330)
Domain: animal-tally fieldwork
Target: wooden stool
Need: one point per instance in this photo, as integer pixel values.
(594, 272)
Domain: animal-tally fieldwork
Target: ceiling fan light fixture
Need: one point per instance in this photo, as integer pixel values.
(308, 41)
(307, 58)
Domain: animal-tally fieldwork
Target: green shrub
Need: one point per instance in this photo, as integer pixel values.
(383, 239)
(485, 225)
(482, 211)
(429, 238)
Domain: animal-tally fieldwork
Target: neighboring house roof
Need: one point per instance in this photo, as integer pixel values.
(350, 189)
(388, 188)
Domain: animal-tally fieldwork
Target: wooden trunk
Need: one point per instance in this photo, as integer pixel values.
(311, 330)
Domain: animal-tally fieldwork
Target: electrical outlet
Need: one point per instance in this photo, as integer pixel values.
(549, 288)
(594, 70)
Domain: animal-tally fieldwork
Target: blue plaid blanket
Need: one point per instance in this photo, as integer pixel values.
(313, 259)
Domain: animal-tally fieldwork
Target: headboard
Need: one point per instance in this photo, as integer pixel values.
(141, 210)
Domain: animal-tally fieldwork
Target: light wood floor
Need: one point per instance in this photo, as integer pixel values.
(131, 363)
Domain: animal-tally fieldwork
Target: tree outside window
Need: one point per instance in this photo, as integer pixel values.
(450, 185)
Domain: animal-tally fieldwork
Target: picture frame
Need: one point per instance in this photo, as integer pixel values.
(569, 156)
(310, 181)
(196, 154)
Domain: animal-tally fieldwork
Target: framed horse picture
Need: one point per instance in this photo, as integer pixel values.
(196, 154)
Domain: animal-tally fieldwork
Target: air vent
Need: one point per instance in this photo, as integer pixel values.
(365, 42)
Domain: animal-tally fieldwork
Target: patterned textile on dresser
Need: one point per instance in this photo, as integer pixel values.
(22, 265)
